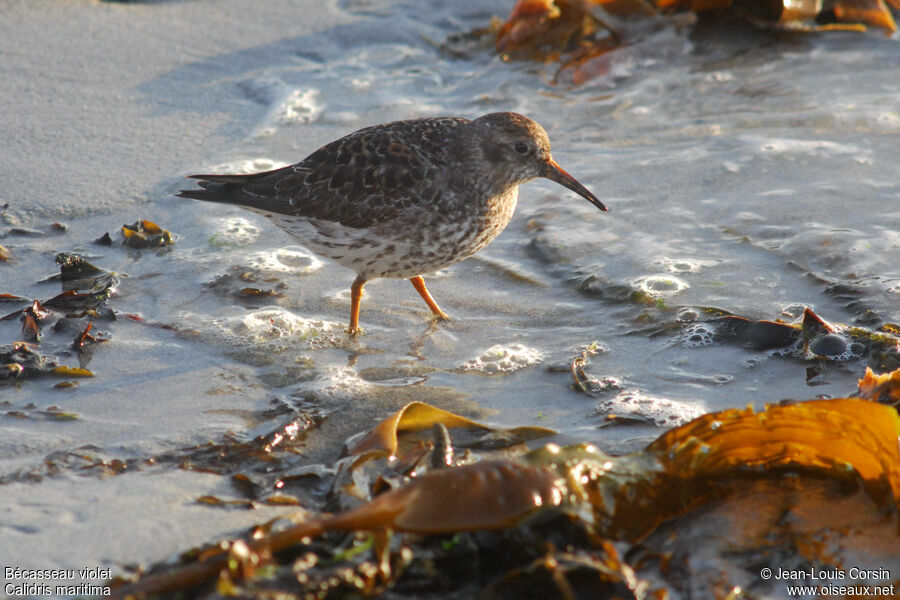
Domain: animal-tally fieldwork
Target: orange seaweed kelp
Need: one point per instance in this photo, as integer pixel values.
(798, 13)
(544, 28)
(576, 31)
(145, 234)
(885, 387)
(799, 467)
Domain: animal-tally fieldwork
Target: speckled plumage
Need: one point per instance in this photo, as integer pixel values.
(401, 199)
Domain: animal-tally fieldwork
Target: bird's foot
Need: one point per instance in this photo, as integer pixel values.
(354, 331)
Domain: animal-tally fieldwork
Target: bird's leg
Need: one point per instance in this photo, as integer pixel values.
(356, 292)
(419, 284)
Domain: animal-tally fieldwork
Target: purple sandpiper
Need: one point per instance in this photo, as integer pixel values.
(401, 199)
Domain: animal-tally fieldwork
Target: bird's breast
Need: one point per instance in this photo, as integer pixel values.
(494, 215)
(498, 210)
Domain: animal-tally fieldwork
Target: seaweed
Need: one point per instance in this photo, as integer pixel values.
(146, 234)
(86, 288)
(578, 33)
(559, 518)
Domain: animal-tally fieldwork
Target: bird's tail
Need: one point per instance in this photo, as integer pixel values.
(217, 188)
(256, 191)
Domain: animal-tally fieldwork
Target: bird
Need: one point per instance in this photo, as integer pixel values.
(401, 199)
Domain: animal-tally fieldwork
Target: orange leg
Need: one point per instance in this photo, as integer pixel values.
(419, 284)
(356, 293)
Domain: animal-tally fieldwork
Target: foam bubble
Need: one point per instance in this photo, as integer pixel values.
(290, 259)
(274, 323)
(287, 105)
(695, 335)
(661, 285)
(337, 383)
(663, 412)
(795, 350)
(684, 265)
(250, 165)
(263, 333)
(235, 231)
(836, 347)
(818, 148)
(300, 106)
(503, 359)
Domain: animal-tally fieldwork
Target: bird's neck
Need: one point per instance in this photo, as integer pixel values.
(490, 175)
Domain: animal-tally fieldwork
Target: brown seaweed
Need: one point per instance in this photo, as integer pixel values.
(22, 359)
(85, 289)
(383, 439)
(578, 33)
(76, 273)
(813, 339)
(880, 388)
(709, 464)
(146, 234)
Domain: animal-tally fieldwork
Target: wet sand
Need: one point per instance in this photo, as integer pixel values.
(91, 135)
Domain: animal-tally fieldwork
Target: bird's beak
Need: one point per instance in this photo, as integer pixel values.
(554, 172)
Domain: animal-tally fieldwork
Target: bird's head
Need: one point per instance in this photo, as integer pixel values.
(519, 149)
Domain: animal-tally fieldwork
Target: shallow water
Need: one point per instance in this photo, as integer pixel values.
(746, 171)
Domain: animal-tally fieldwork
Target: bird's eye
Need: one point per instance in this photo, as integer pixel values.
(521, 147)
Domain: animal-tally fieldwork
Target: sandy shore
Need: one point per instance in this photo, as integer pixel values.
(98, 106)
(102, 113)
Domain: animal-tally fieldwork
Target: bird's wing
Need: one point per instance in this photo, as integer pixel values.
(365, 178)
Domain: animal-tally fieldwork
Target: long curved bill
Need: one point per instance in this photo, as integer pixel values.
(556, 173)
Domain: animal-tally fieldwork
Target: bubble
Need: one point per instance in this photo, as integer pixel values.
(680, 265)
(300, 106)
(250, 165)
(856, 350)
(503, 359)
(603, 385)
(892, 287)
(663, 412)
(236, 231)
(337, 383)
(260, 336)
(274, 323)
(290, 259)
(831, 345)
(661, 285)
(695, 335)
(795, 350)
(835, 347)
